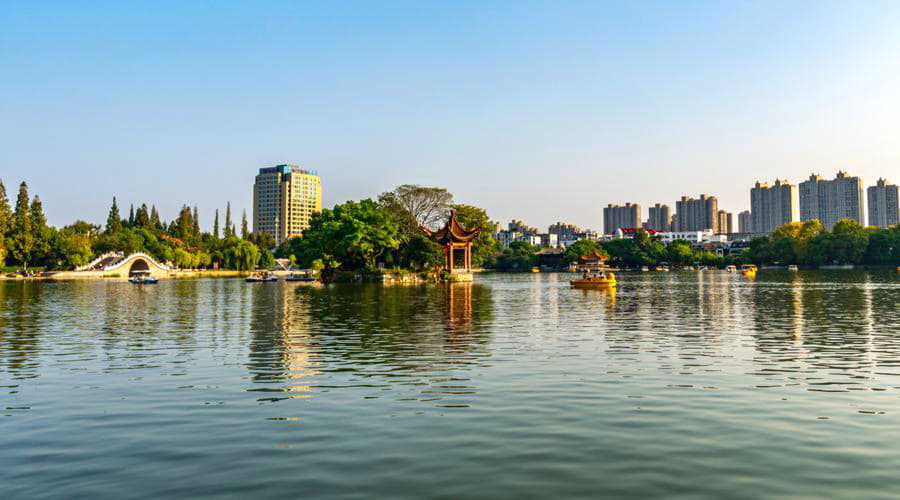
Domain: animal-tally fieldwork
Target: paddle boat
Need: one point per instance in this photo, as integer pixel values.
(304, 276)
(535, 269)
(748, 270)
(595, 279)
(730, 269)
(793, 268)
(142, 278)
(261, 277)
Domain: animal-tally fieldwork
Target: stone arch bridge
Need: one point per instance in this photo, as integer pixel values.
(125, 265)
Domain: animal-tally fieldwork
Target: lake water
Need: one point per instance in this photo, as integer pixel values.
(701, 384)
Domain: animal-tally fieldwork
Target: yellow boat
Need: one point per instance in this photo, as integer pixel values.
(599, 279)
(535, 269)
(748, 270)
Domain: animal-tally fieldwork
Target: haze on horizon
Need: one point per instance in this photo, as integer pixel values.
(542, 111)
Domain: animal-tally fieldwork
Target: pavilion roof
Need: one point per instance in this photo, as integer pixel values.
(452, 232)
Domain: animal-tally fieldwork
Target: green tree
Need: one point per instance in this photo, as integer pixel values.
(41, 251)
(266, 260)
(21, 242)
(73, 244)
(131, 216)
(142, 216)
(216, 226)
(154, 218)
(584, 248)
(6, 214)
(229, 228)
(195, 225)
(849, 242)
(520, 256)
(245, 230)
(114, 219)
(484, 246)
(680, 252)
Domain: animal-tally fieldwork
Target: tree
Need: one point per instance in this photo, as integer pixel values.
(429, 206)
(142, 216)
(352, 235)
(183, 228)
(216, 225)
(849, 242)
(195, 227)
(583, 248)
(42, 234)
(131, 216)
(6, 215)
(266, 260)
(520, 256)
(154, 218)
(245, 230)
(229, 230)
(484, 245)
(114, 219)
(72, 244)
(680, 252)
(21, 242)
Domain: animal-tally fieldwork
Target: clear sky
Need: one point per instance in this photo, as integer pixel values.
(543, 111)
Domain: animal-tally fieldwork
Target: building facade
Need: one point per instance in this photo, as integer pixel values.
(697, 214)
(745, 222)
(660, 218)
(616, 216)
(831, 201)
(773, 206)
(725, 222)
(284, 199)
(564, 231)
(884, 204)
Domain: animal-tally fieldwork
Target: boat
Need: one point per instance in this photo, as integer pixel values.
(595, 279)
(703, 268)
(731, 269)
(688, 268)
(645, 269)
(748, 270)
(793, 268)
(305, 276)
(142, 278)
(535, 269)
(663, 269)
(261, 277)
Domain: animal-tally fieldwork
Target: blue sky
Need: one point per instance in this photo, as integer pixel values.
(543, 111)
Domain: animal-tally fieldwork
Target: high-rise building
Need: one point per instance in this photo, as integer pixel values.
(884, 204)
(831, 201)
(773, 206)
(659, 218)
(725, 222)
(745, 222)
(563, 231)
(617, 216)
(697, 214)
(284, 199)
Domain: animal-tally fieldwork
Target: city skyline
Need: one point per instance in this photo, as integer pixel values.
(577, 105)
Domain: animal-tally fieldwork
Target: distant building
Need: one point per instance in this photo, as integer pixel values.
(520, 227)
(745, 222)
(659, 219)
(884, 204)
(725, 222)
(284, 199)
(616, 216)
(697, 214)
(773, 206)
(564, 231)
(831, 201)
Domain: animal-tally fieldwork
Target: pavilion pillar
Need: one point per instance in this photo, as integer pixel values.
(450, 257)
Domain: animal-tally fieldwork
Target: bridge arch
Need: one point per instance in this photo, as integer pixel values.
(138, 265)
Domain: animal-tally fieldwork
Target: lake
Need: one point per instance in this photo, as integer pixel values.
(694, 384)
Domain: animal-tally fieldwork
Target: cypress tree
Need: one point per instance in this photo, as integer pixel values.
(142, 217)
(245, 231)
(131, 216)
(229, 230)
(113, 220)
(154, 218)
(40, 231)
(216, 225)
(196, 226)
(6, 216)
(22, 238)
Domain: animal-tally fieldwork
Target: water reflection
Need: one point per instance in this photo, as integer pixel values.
(313, 339)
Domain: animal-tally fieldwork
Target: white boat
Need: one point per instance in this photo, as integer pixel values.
(142, 278)
(261, 277)
(731, 269)
(305, 276)
(793, 268)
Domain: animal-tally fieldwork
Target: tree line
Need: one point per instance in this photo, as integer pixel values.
(27, 240)
(808, 243)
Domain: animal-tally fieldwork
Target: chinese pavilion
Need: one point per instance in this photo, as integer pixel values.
(453, 237)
